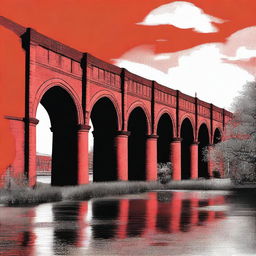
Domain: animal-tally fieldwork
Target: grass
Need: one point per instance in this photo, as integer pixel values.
(44, 193)
(211, 184)
(29, 196)
(102, 189)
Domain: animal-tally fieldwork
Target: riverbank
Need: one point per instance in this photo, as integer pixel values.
(44, 193)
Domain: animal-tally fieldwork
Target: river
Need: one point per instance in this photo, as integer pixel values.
(155, 223)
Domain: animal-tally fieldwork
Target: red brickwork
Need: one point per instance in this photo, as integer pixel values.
(43, 164)
(86, 80)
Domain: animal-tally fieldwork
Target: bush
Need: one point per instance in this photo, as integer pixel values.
(243, 175)
(164, 172)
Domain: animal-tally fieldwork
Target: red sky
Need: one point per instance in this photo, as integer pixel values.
(107, 28)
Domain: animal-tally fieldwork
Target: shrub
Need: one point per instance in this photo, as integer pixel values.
(243, 175)
(164, 172)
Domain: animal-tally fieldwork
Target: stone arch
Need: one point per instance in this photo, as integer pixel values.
(48, 84)
(138, 128)
(187, 136)
(217, 135)
(192, 121)
(105, 126)
(106, 94)
(203, 143)
(165, 132)
(64, 118)
(160, 114)
(139, 104)
(207, 125)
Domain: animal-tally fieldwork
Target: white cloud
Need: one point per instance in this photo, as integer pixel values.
(162, 57)
(244, 37)
(241, 44)
(204, 72)
(243, 53)
(201, 69)
(183, 15)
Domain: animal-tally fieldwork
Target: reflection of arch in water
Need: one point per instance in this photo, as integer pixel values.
(17, 235)
(107, 213)
(70, 228)
(202, 214)
(66, 213)
(137, 208)
(164, 213)
(180, 212)
(186, 214)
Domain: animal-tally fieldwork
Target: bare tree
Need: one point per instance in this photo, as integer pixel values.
(238, 150)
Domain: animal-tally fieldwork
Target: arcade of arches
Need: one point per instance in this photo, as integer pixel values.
(122, 155)
(136, 122)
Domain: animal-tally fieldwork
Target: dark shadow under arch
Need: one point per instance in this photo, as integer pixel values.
(187, 140)
(203, 139)
(165, 135)
(63, 115)
(217, 136)
(105, 124)
(137, 126)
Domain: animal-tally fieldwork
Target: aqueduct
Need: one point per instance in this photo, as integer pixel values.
(137, 122)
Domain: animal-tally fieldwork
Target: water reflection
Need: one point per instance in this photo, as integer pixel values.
(136, 217)
(66, 217)
(105, 217)
(185, 220)
(160, 212)
(163, 220)
(178, 221)
(16, 234)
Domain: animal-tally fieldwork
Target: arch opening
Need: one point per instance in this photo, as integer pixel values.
(203, 139)
(165, 135)
(63, 117)
(187, 140)
(43, 146)
(137, 126)
(105, 125)
(217, 136)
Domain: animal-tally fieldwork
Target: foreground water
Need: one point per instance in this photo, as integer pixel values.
(155, 223)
